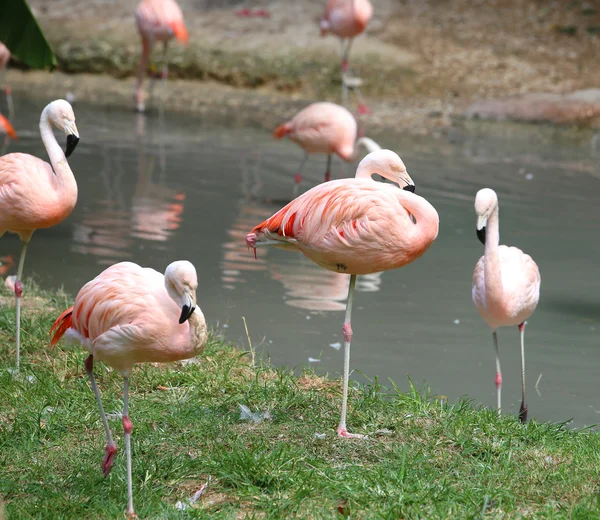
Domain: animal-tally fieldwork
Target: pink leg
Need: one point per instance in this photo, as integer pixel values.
(347, 332)
(298, 176)
(111, 447)
(127, 428)
(523, 410)
(328, 170)
(498, 373)
(18, 294)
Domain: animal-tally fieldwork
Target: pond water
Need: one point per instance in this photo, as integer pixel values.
(156, 189)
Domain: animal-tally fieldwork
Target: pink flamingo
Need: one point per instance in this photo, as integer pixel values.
(129, 314)
(347, 19)
(4, 59)
(35, 195)
(157, 21)
(324, 128)
(506, 284)
(355, 226)
(9, 133)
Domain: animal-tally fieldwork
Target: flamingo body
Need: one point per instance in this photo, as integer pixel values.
(30, 195)
(346, 18)
(521, 281)
(322, 128)
(160, 20)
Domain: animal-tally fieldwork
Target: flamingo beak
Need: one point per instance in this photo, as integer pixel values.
(404, 177)
(481, 223)
(72, 137)
(187, 310)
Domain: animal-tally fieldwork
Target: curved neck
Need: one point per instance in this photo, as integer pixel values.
(198, 332)
(492, 272)
(367, 143)
(62, 171)
(426, 217)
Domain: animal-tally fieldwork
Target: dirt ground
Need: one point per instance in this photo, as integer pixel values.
(423, 61)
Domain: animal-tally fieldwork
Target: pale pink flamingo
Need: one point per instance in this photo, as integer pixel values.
(34, 194)
(355, 226)
(325, 128)
(129, 314)
(4, 59)
(506, 284)
(157, 21)
(347, 19)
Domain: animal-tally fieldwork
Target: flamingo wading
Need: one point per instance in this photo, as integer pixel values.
(127, 315)
(157, 21)
(326, 128)
(506, 284)
(35, 194)
(355, 226)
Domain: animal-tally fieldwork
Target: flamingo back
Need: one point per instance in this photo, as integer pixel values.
(160, 20)
(346, 18)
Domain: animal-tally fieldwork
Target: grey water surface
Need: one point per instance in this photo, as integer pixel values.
(155, 189)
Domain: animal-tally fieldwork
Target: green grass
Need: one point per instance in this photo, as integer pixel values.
(425, 458)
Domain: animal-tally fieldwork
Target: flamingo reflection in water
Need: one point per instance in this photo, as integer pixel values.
(306, 285)
(153, 213)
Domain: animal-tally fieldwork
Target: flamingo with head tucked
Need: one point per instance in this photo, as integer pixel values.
(325, 128)
(506, 284)
(157, 21)
(127, 315)
(35, 194)
(355, 226)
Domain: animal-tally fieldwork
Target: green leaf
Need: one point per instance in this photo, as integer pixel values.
(20, 32)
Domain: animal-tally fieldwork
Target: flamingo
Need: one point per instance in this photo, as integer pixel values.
(4, 59)
(157, 21)
(347, 19)
(9, 133)
(355, 226)
(506, 284)
(324, 127)
(130, 314)
(35, 195)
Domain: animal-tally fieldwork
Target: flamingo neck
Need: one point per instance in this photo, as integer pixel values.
(367, 143)
(492, 271)
(426, 217)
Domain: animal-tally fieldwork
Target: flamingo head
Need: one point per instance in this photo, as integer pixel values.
(181, 283)
(387, 164)
(60, 114)
(486, 202)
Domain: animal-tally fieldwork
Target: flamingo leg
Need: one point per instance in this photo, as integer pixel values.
(347, 332)
(18, 293)
(164, 72)
(111, 447)
(523, 409)
(139, 91)
(344, 67)
(328, 170)
(298, 177)
(498, 373)
(127, 427)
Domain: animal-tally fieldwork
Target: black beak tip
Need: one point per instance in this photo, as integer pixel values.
(481, 235)
(72, 141)
(409, 187)
(186, 312)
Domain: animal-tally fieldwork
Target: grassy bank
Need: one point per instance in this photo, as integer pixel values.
(425, 458)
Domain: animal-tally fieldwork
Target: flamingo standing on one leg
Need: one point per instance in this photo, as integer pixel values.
(4, 59)
(347, 19)
(34, 194)
(129, 314)
(324, 128)
(506, 284)
(157, 21)
(355, 226)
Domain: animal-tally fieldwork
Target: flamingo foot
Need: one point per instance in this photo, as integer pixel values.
(345, 434)
(131, 515)
(109, 458)
(18, 288)
(523, 412)
(347, 332)
(363, 109)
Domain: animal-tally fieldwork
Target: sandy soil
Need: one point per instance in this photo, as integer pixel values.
(423, 61)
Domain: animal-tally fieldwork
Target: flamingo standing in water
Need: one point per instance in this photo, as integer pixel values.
(355, 226)
(129, 314)
(506, 284)
(324, 128)
(157, 21)
(347, 19)
(4, 59)
(34, 194)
